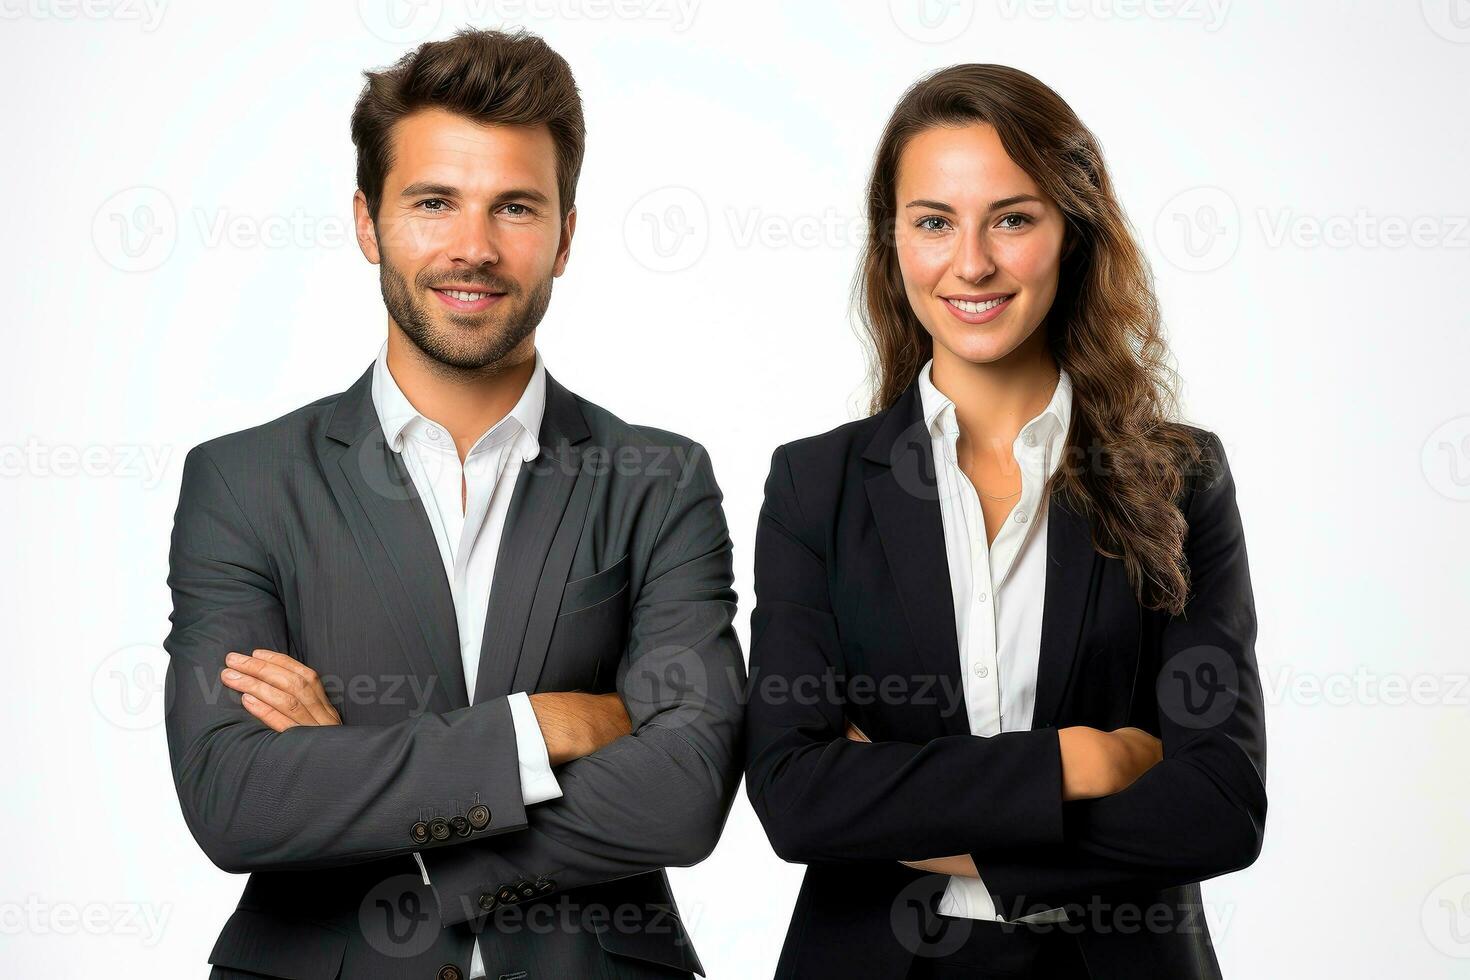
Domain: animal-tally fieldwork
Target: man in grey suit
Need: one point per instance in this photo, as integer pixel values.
(451, 652)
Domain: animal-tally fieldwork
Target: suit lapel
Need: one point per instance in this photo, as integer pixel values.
(904, 497)
(382, 507)
(1071, 574)
(540, 537)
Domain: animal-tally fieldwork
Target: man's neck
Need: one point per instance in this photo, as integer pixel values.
(467, 403)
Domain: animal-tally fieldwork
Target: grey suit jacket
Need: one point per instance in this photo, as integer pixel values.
(306, 535)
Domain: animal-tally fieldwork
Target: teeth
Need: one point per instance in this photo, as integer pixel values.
(969, 307)
(462, 296)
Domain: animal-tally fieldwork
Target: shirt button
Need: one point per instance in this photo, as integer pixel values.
(981, 670)
(981, 597)
(1030, 438)
(434, 434)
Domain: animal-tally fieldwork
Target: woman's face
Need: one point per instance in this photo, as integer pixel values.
(979, 244)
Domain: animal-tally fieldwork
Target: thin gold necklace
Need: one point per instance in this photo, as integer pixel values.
(991, 495)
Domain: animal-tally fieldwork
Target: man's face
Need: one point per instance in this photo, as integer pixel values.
(468, 235)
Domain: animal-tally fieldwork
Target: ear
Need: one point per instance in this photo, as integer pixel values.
(366, 229)
(564, 246)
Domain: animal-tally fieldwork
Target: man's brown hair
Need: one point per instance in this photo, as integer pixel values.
(510, 78)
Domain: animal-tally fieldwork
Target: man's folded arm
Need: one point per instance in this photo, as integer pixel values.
(309, 796)
(538, 781)
(660, 796)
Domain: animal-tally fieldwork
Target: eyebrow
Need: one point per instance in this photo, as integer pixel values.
(1004, 202)
(444, 190)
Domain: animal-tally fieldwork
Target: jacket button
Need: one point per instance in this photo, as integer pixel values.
(461, 826)
(449, 972)
(507, 895)
(439, 828)
(526, 889)
(487, 902)
(479, 816)
(420, 833)
(544, 885)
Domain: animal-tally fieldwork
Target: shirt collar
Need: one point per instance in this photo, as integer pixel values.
(399, 418)
(1048, 428)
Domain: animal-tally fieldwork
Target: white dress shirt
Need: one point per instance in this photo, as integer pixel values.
(998, 588)
(466, 504)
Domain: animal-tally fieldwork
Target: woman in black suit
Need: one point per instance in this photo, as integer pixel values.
(1004, 700)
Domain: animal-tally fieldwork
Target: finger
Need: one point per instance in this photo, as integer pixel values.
(265, 713)
(311, 695)
(284, 661)
(283, 701)
(313, 692)
(274, 674)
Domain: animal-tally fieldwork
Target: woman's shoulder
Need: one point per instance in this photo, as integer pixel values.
(824, 456)
(1206, 473)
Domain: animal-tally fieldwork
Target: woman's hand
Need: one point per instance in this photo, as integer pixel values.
(1137, 751)
(961, 864)
(279, 691)
(1097, 763)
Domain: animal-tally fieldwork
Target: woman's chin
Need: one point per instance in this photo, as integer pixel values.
(980, 349)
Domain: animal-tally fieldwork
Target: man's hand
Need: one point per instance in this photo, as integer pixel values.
(576, 724)
(278, 690)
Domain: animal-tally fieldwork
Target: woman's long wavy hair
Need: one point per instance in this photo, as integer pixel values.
(1103, 326)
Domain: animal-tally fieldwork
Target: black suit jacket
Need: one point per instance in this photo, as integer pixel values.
(306, 535)
(854, 620)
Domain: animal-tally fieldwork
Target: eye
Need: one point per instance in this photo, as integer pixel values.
(432, 200)
(1024, 219)
(515, 210)
(925, 223)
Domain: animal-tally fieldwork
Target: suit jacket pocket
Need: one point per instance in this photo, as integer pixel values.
(598, 587)
(279, 946)
(658, 937)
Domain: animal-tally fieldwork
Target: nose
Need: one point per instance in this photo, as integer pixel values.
(473, 240)
(972, 260)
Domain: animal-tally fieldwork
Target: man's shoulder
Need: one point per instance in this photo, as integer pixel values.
(606, 428)
(282, 439)
(637, 450)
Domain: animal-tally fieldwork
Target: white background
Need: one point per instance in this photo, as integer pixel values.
(178, 263)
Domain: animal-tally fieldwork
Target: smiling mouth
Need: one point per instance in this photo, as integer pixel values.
(466, 297)
(968, 306)
(468, 300)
